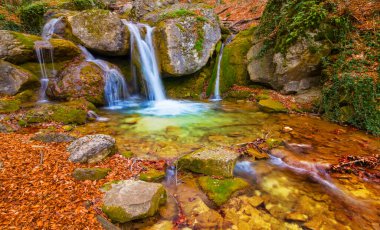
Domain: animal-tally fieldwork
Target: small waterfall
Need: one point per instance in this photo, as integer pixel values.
(44, 50)
(115, 89)
(217, 96)
(149, 67)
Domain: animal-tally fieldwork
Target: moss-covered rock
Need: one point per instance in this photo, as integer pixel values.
(90, 173)
(107, 186)
(272, 106)
(213, 162)
(53, 137)
(79, 80)
(130, 200)
(186, 36)
(220, 190)
(13, 79)
(152, 175)
(9, 105)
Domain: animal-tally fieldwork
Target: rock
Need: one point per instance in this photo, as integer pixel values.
(131, 200)
(212, 162)
(298, 69)
(142, 7)
(77, 80)
(9, 105)
(162, 225)
(298, 148)
(19, 48)
(255, 201)
(152, 175)
(106, 224)
(90, 173)
(4, 128)
(53, 137)
(220, 191)
(98, 30)
(186, 36)
(14, 78)
(257, 154)
(294, 216)
(270, 105)
(91, 148)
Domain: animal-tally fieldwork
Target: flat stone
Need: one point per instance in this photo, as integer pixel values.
(272, 106)
(90, 173)
(130, 200)
(212, 162)
(53, 137)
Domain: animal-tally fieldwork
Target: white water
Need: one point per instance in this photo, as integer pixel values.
(148, 62)
(115, 89)
(44, 50)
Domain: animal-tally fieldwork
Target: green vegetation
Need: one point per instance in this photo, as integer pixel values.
(152, 175)
(32, 17)
(177, 14)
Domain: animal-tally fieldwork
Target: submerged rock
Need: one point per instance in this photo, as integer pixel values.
(212, 162)
(270, 105)
(152, 175)
(14, 78)
(92, 148)
(77, 80)
(186, 36)
(98, 30)
(220, 190)
(130, 200)
(53, 137)
(90, 173)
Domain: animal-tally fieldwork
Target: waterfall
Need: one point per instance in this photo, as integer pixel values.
(148, 62)
(44, 50)
(217, 96)
(115, 89)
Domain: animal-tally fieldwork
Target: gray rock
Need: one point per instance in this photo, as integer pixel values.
(291, 87)
(142, 7)
(185, 40)
(91, 148)
(213, 162)
(53, 137)
(14, 78)
(130, 200)
(98, 30)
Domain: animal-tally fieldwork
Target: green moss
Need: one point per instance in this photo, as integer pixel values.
(152, 175)
(31, 16)
(9, 105)
(273, 143)
(270, 105)
(90, 173)
(177, 14)
(127, 154)
(220, 191)
(116, 213)
(107, 186)
(26, 96)
(26, 39)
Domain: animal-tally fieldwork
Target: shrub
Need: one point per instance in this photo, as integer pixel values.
(31, 17)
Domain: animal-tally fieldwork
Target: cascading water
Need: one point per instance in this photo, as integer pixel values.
(44, 50)
(115, 90)
(217, 96)
(149, 67)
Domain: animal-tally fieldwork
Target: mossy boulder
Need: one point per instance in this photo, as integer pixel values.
(18, 48)
(9, 105)
(90, 173)
(272, 106)
(185, 36)
(152, 175)
(212, 162)
(220, 190)
(98, 30)
(79, 80)
(142, 7)
(130, 200)
(73, 112)
(13, 79)
(53, 137)
(233, 65)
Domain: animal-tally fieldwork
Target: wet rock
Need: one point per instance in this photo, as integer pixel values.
(142, 7)
(257, 154)
(213, 162)
(18, 48)
(272, 106)
(294, 216)
(152, 175)
(255, 201)
(298, 148)
(131, 200)
(220, 190)
(92, 148)
(98, 30)
(131, 120)
(90, 173)
(14, 78)
(162, 225)
(79, 80)
(186, 36)
(53, 137)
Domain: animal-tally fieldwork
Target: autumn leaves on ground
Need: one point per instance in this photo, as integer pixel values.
(38, 191)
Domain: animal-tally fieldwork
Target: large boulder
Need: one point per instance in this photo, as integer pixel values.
(297, 69)
(212, 162)
(14, 78)
(92, 148)
(130, 200)
(77, 80)
(142, 7)
(18, 48)
(186, 36)
(98, 30)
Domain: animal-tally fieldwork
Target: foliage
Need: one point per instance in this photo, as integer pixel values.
(31, 17)
(177, 14)
(86, 4)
